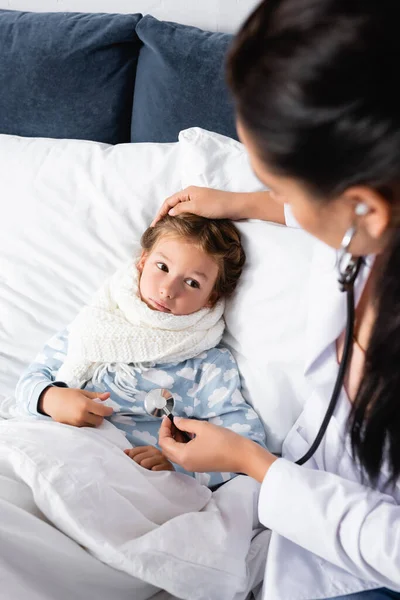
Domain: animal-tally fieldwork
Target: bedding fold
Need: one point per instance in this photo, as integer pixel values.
(163, 528)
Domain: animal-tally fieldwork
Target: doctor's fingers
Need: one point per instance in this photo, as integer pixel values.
(214, 448)
(166, 431)
(173, 449)
(171, 202)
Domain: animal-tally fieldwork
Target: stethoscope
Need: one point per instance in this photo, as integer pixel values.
(157, 403)
(348, 268)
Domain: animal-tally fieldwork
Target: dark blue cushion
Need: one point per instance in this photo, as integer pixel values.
(67, 75)
(180, 82)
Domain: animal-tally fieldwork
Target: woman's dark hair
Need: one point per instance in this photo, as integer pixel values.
(315, 85)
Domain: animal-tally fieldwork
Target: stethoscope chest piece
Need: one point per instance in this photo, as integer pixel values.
(159, 402)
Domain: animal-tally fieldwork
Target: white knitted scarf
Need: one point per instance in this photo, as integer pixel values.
(118, 327)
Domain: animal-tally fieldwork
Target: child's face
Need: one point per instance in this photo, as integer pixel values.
(177, 277)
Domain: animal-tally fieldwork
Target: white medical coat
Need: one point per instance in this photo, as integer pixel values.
(331, 535)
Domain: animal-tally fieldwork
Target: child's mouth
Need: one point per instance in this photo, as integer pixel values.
(159, 306)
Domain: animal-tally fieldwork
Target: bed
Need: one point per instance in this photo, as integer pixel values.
(93, 137)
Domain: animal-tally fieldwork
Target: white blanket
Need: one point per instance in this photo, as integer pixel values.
(161, 528)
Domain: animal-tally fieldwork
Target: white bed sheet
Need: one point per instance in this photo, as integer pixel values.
(94, 504)
(38, 562)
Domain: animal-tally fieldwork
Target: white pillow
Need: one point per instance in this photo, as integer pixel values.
(72, 211)
(266, 318)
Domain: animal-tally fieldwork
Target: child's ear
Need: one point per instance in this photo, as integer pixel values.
(141, 261)
(213, 299)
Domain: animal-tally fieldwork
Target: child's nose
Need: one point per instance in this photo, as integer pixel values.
(169, 290)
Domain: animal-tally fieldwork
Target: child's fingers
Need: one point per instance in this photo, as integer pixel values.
(149, 458)
(149, 462)
(165, 466)
(128, 452)
(93, 420)
(96, 395)
(96, 408)
(132, 452)
(140, 457)
(134, 455)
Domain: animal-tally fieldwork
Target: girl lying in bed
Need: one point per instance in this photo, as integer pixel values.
(157, 323)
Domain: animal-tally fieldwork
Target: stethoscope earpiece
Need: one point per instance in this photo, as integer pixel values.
(361, 209)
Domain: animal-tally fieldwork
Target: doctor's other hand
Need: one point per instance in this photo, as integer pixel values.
(73, 406)
(149, 458)
(214, 448)
(202, 201)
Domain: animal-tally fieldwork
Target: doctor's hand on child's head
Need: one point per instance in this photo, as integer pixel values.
(73, 406)
(202, 201)
(149, 458)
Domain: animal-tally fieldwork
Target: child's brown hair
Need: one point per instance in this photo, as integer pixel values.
(219, 238)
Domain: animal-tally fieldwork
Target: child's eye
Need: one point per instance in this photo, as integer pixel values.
(162, 267)
(193, 283)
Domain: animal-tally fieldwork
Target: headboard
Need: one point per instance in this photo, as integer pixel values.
(129, 79)
(212, 15)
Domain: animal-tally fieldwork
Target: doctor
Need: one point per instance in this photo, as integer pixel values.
(314, 83)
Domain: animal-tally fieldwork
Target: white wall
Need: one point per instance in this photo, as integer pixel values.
(214, 15)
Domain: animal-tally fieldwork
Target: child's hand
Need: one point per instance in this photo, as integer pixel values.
(150, 458)
(74, 406)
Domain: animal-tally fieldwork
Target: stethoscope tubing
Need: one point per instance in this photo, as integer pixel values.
(347, 285)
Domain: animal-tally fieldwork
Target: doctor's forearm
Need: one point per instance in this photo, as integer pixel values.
(260, 205)
(255, 460)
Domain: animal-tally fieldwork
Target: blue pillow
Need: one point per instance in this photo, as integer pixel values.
(67, 75)
(180, 82)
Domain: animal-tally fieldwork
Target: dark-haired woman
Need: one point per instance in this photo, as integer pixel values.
(315, 86)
